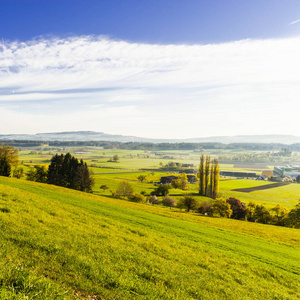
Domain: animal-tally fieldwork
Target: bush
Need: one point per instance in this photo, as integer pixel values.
(169, 201)
(124, 189)
(237, 207)
(161, 190)
(153, 200)
(262, 215)
(220, 208)
(138, 198)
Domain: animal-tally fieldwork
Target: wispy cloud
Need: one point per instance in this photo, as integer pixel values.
(295, 22)
(143, 89)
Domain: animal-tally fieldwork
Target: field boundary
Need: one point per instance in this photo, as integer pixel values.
(261, 187)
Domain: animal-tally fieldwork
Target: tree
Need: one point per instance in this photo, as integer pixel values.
(169, 201)
(294, 216)
(250, 211)
(10, 153)
(161, 190)
(238, 210)
(104, 187)
(298, 178)
(5, 168)
(138, 198)
(279, 215)
(262, 215)
(215, 178)
(67, 171)
(38, 174)
(124, 189)
(116, 158)
(181, 182)
(141, 178)
(188, 202)
(201, 176)
(153, 200)
(220, 208)
(83, 179)
(207, 173)
(41, 174)
(18, 173)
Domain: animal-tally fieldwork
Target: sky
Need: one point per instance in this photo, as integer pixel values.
(153, 68)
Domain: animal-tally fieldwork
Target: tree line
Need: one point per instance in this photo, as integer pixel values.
(159, 146)
(66, 171)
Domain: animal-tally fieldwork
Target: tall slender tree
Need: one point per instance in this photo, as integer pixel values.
(201, 176)
(207, 173)
(215, 171)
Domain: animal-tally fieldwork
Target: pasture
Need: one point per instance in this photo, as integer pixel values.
(58, 243)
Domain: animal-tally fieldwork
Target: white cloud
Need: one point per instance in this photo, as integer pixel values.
(295, 22)
(252, 86)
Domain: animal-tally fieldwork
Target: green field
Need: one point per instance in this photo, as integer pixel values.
(57, 243)
(131, 163)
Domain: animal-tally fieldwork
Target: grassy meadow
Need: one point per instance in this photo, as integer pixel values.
(57, 243)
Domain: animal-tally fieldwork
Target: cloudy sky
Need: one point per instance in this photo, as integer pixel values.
(160, 69)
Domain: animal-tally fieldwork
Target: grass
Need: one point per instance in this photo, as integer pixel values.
(57, 243)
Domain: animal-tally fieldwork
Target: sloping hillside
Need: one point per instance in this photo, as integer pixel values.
(57, 243)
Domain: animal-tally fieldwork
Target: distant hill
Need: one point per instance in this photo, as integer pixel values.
(100, 136)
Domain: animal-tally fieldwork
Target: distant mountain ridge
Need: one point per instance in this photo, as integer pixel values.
(100, 136)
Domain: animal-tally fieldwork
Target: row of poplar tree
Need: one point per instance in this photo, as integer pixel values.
(209, 176)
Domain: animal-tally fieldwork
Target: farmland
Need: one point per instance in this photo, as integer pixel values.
(133, 163)
(58, 243)
(62, 244)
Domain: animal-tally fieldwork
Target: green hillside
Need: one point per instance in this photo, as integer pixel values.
(57, 243)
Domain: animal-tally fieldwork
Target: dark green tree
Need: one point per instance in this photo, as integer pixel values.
(294, 216)
(161, 190)
(5, 168)
(67, 171)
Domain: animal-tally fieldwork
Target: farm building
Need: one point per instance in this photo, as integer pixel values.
(167, 179)
(289, 170)
(267, 173)
(238, 174)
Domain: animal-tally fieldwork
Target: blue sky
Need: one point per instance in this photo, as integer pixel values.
(159, 68)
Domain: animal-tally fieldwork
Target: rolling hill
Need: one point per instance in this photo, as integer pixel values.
(57, 243)
(100, 136)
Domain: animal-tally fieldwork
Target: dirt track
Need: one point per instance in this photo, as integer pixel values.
(262, 187)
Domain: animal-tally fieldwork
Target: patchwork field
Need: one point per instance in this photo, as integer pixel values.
(132, 162)
(57, 243)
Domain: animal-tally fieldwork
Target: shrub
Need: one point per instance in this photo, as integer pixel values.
(138, 198)
(161, 190)
(238, 209)
(220, 208)
(262, 215)
(153, 200)
(169, 201)
(124, 189)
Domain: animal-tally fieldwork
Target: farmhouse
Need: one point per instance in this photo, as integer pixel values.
(167, 179)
